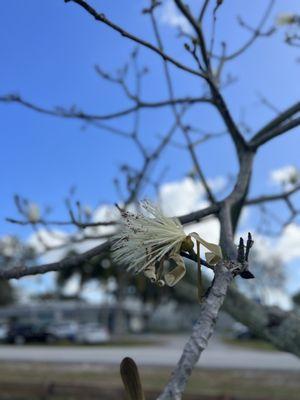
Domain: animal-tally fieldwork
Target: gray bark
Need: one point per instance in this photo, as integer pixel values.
(271, 323)
(202, 331)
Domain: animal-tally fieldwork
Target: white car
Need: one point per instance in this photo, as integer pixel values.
(92, 334)
(65, 330)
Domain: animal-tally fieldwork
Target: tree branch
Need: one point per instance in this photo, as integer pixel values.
(256, 33)
(276, 127)
(273, 197)
(238, 139)
(23, 270)
(60, 112)
(102, 18)
(235, 133)
(190, 145)
(73, 261)
(197, 27)
(202, 331)
(203, 10)
(196, 216)
(269, 323)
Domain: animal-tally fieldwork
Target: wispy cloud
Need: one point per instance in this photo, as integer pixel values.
(170, 16)
(285, 176)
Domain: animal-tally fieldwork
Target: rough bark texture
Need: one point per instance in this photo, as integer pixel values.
(276, 326)
(279, 327)
(202, 331)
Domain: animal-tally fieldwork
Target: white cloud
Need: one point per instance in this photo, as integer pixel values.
(175, 198)
(285, 248)
(54, 239)
(285, 176)
(171, 16)
(92, 292)
(187, 195)
(277, 297)
(72, 286)
(181, 197)
(104, 213)
(288, 245)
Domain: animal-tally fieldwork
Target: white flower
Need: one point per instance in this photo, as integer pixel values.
(145, 238)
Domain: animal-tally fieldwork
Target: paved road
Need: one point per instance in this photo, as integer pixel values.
(217, 355)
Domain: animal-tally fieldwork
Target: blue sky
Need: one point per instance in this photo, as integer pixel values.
(48, 52)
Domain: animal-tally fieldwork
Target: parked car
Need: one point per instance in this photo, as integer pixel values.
(3, 333)
(92, 334)
(65, 330)
(27, 333)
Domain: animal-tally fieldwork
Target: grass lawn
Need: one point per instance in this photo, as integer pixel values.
(24, 381)
(255, 344)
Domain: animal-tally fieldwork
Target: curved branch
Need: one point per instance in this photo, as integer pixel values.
(23, 270)
(73, 222)
(102, 18)
(269, 323)
(196, 216)
(190, 145)
(256, 33)
(276, 326)
(60, 112)
(237, 137)
(198, 29)
(273, 197)
(73, 261)
(279, 119)
(266, 135)
(203, 10)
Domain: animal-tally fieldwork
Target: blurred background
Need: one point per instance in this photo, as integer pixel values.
(77, 136)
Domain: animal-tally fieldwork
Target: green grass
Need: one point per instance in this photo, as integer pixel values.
(31, 381)
(255, 344)
(111, 343)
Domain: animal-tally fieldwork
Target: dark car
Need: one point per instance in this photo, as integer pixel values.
(29, 333)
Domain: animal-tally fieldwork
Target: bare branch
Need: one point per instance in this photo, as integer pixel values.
(198, 30)
(277, 126)
(74, 114)
(270, 323)
(183, 128)
(237, 137)
(274, 197)
(20, 271)
(272, 134)
(255, 34)
(102, 18)
(203, 11)
(196, 216)
(202, 330)
(23, 270)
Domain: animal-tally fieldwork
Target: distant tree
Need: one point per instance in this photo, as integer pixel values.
(102, 269)
(12, 253)
(296, 299)
(7, 295)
